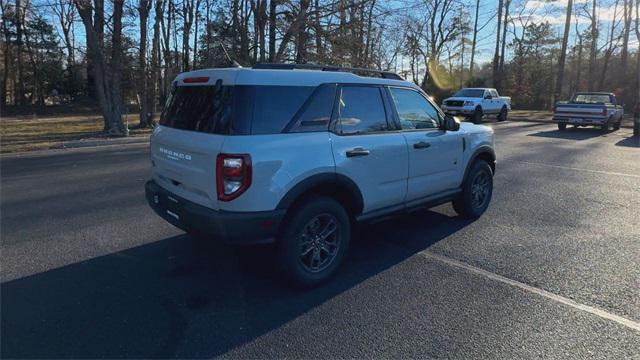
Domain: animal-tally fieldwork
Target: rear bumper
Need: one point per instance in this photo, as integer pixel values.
(230, 227)
(579, 120)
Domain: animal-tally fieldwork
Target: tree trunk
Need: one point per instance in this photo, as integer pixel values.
(627, 21)
(563, 53)
(505, 23)
(156, 79)
(195, 34)
(594, 47)
(295, 27)
(19, 75)
(7, 55)
(144, 6)
(318, 34)
(262, 24)
(475, 38)
(496, 54)
(109, 93)
(273, 8)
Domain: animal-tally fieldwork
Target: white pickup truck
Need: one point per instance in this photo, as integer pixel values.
(589, 109)
(474, 103)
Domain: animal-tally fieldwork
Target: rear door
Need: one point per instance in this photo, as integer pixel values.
(487, 102)
(185, 146)
(496, 103)
(367, 148)
(434, 155)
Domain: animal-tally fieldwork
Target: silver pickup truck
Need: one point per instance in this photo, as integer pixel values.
(589, 109)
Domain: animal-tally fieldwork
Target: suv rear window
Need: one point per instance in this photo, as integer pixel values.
(234, 110)
(199, 108)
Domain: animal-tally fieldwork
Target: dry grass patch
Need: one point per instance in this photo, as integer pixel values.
(31, 134)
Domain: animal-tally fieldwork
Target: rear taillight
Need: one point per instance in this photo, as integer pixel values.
(196, 80)
(604, 111)
(233, 175)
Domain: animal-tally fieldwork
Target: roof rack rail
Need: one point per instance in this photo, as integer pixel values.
(357, 71)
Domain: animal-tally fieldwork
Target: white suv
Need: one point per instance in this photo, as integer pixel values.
(297, 155)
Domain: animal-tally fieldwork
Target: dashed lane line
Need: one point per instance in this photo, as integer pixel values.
(549, 295)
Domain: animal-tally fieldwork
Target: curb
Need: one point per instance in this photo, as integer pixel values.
(79, 144)
(100, 142)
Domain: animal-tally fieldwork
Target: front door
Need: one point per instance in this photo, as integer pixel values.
(434, 155)
(367, 149)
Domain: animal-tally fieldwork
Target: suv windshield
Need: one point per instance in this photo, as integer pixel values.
(471, 93)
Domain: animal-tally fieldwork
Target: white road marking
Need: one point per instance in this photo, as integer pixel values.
(572, 168)
(557, 298)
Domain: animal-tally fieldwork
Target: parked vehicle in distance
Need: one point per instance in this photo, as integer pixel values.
(589, 109)
(296, 155)
(474, 103)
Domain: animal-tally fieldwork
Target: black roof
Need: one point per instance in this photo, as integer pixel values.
(358, 71)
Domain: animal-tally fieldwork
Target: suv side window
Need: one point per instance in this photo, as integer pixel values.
(494, 93)
(361, 111)
(414, 111)
(487, 93)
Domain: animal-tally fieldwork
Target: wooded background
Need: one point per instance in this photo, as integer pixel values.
(118, 54)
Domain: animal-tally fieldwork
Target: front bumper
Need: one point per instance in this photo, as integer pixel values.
(580, 120)
(230, 227)
(458, 110)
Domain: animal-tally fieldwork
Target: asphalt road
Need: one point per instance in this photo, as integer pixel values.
(552, 270)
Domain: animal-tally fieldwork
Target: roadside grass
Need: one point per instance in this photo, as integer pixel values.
(20, 134)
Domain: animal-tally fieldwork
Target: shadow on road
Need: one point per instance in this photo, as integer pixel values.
(571, 133)
(633, 141)
(181, 297)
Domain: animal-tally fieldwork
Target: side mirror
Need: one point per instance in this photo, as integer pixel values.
(488, 97)
(450, 123)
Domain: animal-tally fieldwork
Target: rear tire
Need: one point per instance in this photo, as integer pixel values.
(503, 114)
(313, 241)
(617, 124)
(476, 118)
(562, 126)
(477, 190)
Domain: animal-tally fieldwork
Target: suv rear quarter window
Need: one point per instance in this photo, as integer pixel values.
(275, 106)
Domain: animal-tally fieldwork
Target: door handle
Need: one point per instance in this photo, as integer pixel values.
(421, 145)
(357, 152)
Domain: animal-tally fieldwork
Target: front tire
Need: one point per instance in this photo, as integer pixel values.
(562, 126)
(476, 118)
(477, 190)
(313, 241)
(503, 114)
(606, 127)
(617, 124)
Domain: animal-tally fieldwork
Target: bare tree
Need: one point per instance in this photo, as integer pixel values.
(107, 76)
(66, 14)
(593, 51)
(144, 7)
(563, 52)
(496, 54)
(628, 19)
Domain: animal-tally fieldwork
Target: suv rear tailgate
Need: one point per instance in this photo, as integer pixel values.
(185, 163)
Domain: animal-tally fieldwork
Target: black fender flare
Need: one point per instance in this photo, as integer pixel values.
(481, 150)
(323, 179)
